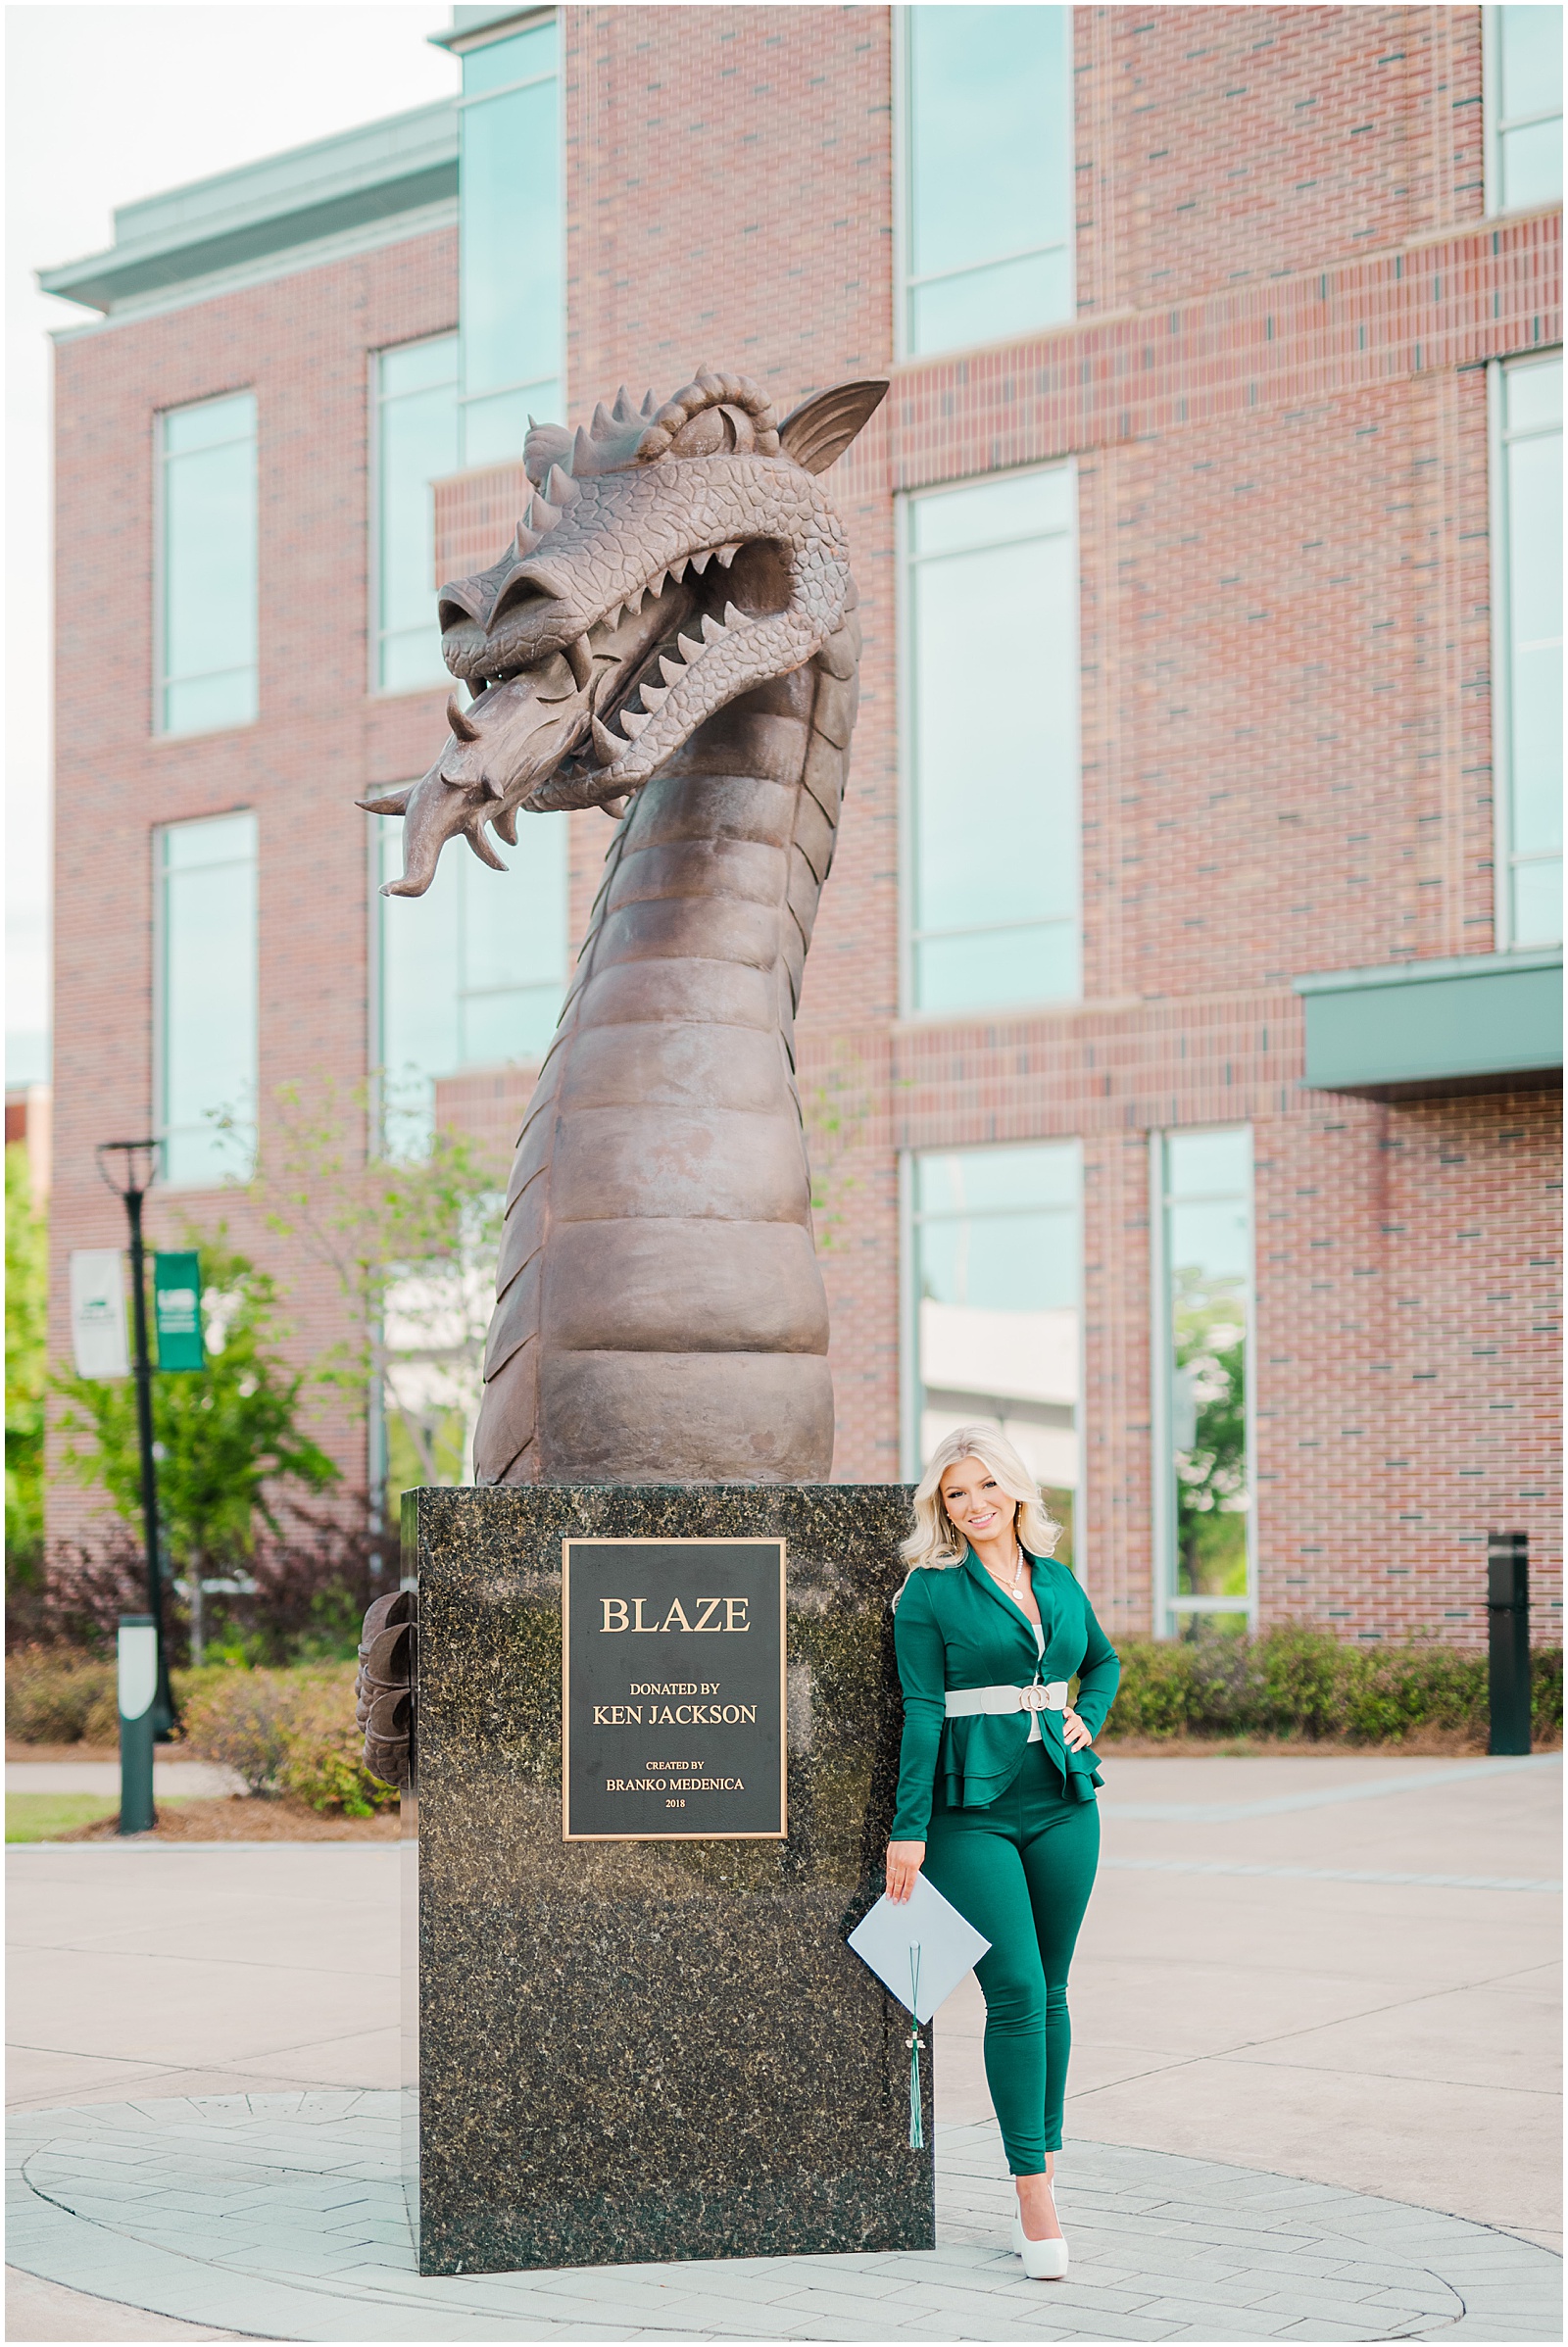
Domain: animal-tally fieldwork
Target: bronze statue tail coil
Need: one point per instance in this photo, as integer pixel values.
(383, 1689)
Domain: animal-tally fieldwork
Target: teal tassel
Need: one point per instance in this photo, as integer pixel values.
(916, 2112)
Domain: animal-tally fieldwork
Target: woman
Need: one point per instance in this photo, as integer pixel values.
(997, 1781)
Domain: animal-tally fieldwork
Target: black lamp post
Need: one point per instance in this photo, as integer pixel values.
(130, 1167)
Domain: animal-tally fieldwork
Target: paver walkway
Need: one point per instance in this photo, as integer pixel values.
(1327, 1976)
(173, 1780)
(284, 2215)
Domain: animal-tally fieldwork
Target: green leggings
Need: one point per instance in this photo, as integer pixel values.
(1021, 1872)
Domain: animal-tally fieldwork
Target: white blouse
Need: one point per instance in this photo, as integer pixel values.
(1034, 1737)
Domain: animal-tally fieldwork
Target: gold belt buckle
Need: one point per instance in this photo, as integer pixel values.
(1032, 1699)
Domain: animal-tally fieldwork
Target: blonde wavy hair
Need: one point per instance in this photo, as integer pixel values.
(936, 1540)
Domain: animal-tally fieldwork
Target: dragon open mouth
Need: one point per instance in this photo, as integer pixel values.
(612, 681)
(671, 560)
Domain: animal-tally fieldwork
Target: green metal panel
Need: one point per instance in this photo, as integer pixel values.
(374, 173)
(1469, 1024)
(177, 1309)
(467, 22)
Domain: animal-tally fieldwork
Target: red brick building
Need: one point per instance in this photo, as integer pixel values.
(1180, 1035)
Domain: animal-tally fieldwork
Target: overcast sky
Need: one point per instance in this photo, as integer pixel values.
(105, 105)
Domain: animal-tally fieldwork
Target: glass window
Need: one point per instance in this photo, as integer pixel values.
(510, 233)
(988, 173)
(1528, 720)
(992, 592)
(472, 972)
(996, 1254)
(1204, 1376)
(1524, 107)
(207, 618)
(416, 443)
(207, 988)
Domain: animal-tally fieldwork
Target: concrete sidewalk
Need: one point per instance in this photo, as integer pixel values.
(193, 1779)
(1341, 1971)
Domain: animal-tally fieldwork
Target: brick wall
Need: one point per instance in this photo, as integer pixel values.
(1274, 396)
(303, 343)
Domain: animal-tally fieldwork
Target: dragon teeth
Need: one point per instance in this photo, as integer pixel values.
(655, 696)
(727, 554)
(610, 746)
(713, 629)
(700, 561)
(634, 724)
(735, 619)
(671, 670)
(690, 649)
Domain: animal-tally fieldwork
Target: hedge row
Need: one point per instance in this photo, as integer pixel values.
(1295, 1680)
(292, 1732)
(282, 1731)
(288, 1732)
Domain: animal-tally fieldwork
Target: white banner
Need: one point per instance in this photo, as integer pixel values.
(98, 1312)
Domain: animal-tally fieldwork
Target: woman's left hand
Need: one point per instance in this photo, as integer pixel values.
(1074, 1735)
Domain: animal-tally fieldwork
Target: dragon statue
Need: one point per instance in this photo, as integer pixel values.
(671, 636)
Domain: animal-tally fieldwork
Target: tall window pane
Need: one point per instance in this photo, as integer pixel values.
(1204, 1376)
(509, 231)
(1530, 609)
(207, 621)
(472, 972)
(1524, 96)
(207, 1000)
(996, 1273)
(416, 443)
(988, 173)
(992, 592)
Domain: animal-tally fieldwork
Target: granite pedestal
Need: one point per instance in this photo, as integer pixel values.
(649, 2049)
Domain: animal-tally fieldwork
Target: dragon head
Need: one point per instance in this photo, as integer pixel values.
(671, 559)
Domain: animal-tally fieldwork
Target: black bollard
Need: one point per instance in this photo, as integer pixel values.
(1508, 1622)
(137, 1656)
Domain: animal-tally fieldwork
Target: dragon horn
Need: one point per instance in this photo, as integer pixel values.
(458, 722)
(394, 803)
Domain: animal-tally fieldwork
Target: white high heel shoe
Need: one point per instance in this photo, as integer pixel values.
(1042, 2260)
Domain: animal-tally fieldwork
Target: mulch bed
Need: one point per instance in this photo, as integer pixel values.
(236, 1819)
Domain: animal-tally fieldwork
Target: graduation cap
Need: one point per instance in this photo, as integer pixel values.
(919, 1948)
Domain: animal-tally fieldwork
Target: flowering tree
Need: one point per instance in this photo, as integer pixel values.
(411, 1242)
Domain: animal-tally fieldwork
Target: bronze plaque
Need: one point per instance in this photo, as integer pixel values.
(672, 1691)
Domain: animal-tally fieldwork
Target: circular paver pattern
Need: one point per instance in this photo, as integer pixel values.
(284, 2215)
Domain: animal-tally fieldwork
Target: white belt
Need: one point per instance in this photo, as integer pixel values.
(964, 1701)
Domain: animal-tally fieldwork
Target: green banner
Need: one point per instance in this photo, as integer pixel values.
(178, 1310)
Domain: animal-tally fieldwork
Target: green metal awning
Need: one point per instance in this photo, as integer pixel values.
(1417, 1030)
(376, 173)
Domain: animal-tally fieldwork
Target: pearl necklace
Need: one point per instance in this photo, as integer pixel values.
(1017, 1577)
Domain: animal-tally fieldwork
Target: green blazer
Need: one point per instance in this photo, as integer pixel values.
(954, 1627)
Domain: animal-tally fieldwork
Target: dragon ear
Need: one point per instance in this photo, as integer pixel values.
(821, 428)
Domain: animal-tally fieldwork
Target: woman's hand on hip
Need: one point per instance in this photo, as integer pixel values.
(905, 1861)
(1074, 1735)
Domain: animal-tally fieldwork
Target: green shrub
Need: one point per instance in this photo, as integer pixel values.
(1296, 1681)
(1545, 1691)
(322, 1765)
(61, 1695)
(51, 1697)
(287, 1732)
(236, 1723)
